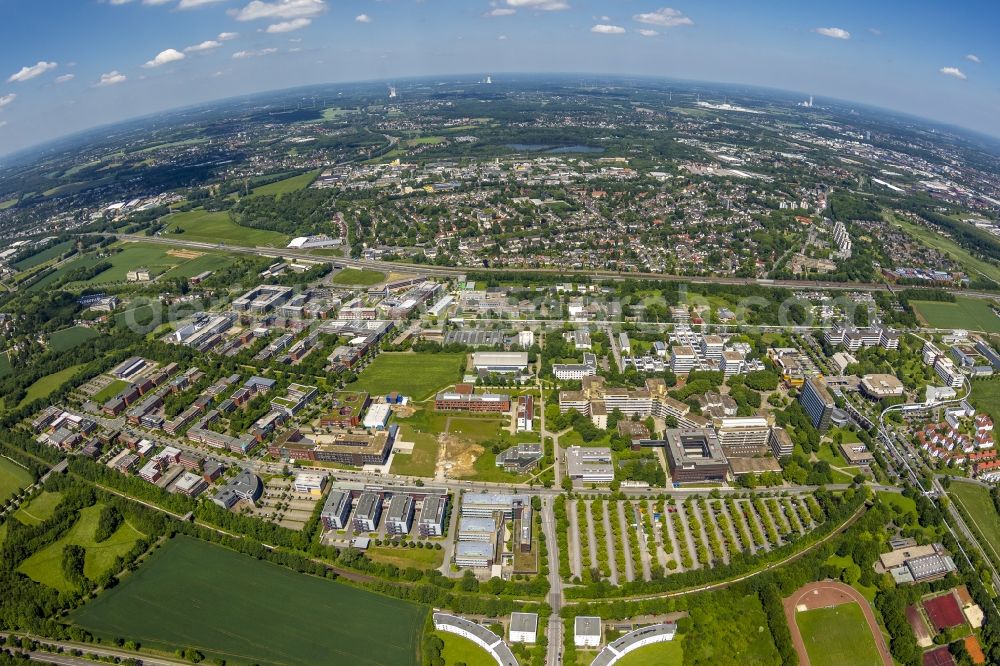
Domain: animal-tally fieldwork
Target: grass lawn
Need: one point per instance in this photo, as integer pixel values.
(418, 558)
(110, 391)
(657, 654)
(422, 460)
(39, 509)
(986, 397)
(161, 260)
(45, 566)
(280, 187)
(43, 256)
(976, 501)
(59, 273)
(412, 374)
(243, 610)
(475, 429)
(5, 366)
(68, 338)
(838, 635)
(47, 384)
(358, 276)
(217, 227)
(967, 313)
(461, 650)
(13, 477)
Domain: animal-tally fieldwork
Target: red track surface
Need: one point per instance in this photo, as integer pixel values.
(830, 593)
(944, 612)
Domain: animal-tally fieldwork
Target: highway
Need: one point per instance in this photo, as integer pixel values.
(568, 273)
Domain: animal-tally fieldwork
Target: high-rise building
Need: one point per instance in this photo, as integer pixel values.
(818, 403)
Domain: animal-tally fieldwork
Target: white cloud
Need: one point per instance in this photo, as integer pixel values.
(251, 54)
(111, 78)
(604, 29)
(667, 17)
(363, 18)
(284, 9)
(836, 33)
(502, 38)
(289, 26)
(543, 5)
(164, 57)
(226, 36)
(646, 32)
(206, 45)
(875, 31)
(29, 72)
(64, 78)
(3, 123)
(7, 99)
(501, 11)
(972, 57)
(154, 2)
(193, 4)
(953, 71)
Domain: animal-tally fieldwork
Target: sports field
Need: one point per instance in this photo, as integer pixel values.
(13, 477)
(68, 338)
(986, 397)
(358, 277)
(216, 227)
(39, 509)
(47, 384)
(412, 374)
(45, 566)
(459, 650)
(838, 635)
(968, 313)
(670, 653)
(195, 594)
(975, 499)
(292, 184)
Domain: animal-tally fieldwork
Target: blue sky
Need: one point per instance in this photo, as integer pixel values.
(72, 64)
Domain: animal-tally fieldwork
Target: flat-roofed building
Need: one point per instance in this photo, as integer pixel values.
(462, 399)
(857, 454)
(519, 458)
(336, 510)
(525, 413)
(432, 514)
(368, 512)
(474, 554)
(477, 529)
(743, 436)
(501, 363)
(190, 484)
(244, 486)
(486, 504)
(881, 386)
(683, 359)
(524, 626)
(693, 455)
(310, 483)
(586, 631)
(817, 402)
(590, 464)
(399, 517)
(781, 443)
(348, 448)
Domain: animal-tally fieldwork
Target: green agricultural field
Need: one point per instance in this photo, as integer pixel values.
(76, 263)
(976, 501)
(968, 313)
(45, 566)
(418, 558)
(13, 477)
(459, 650)
(5, 366)
(110, 391)
(280, 187)
(68, 338)
(7, 203)
(43, 256)
(47, 384)
(355, 276)
(217, 227)
(412, 374)
(670, 653)
(986, 397)
(838, 635)
(39, 509)
(161, 260)
(243, 610)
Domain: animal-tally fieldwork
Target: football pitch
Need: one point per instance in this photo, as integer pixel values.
(968, 313)
(190, 593)
(416, 375)
(838, 635)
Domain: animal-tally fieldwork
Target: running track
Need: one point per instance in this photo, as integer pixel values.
(831, 593)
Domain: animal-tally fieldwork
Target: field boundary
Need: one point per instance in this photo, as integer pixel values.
(824, 594)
